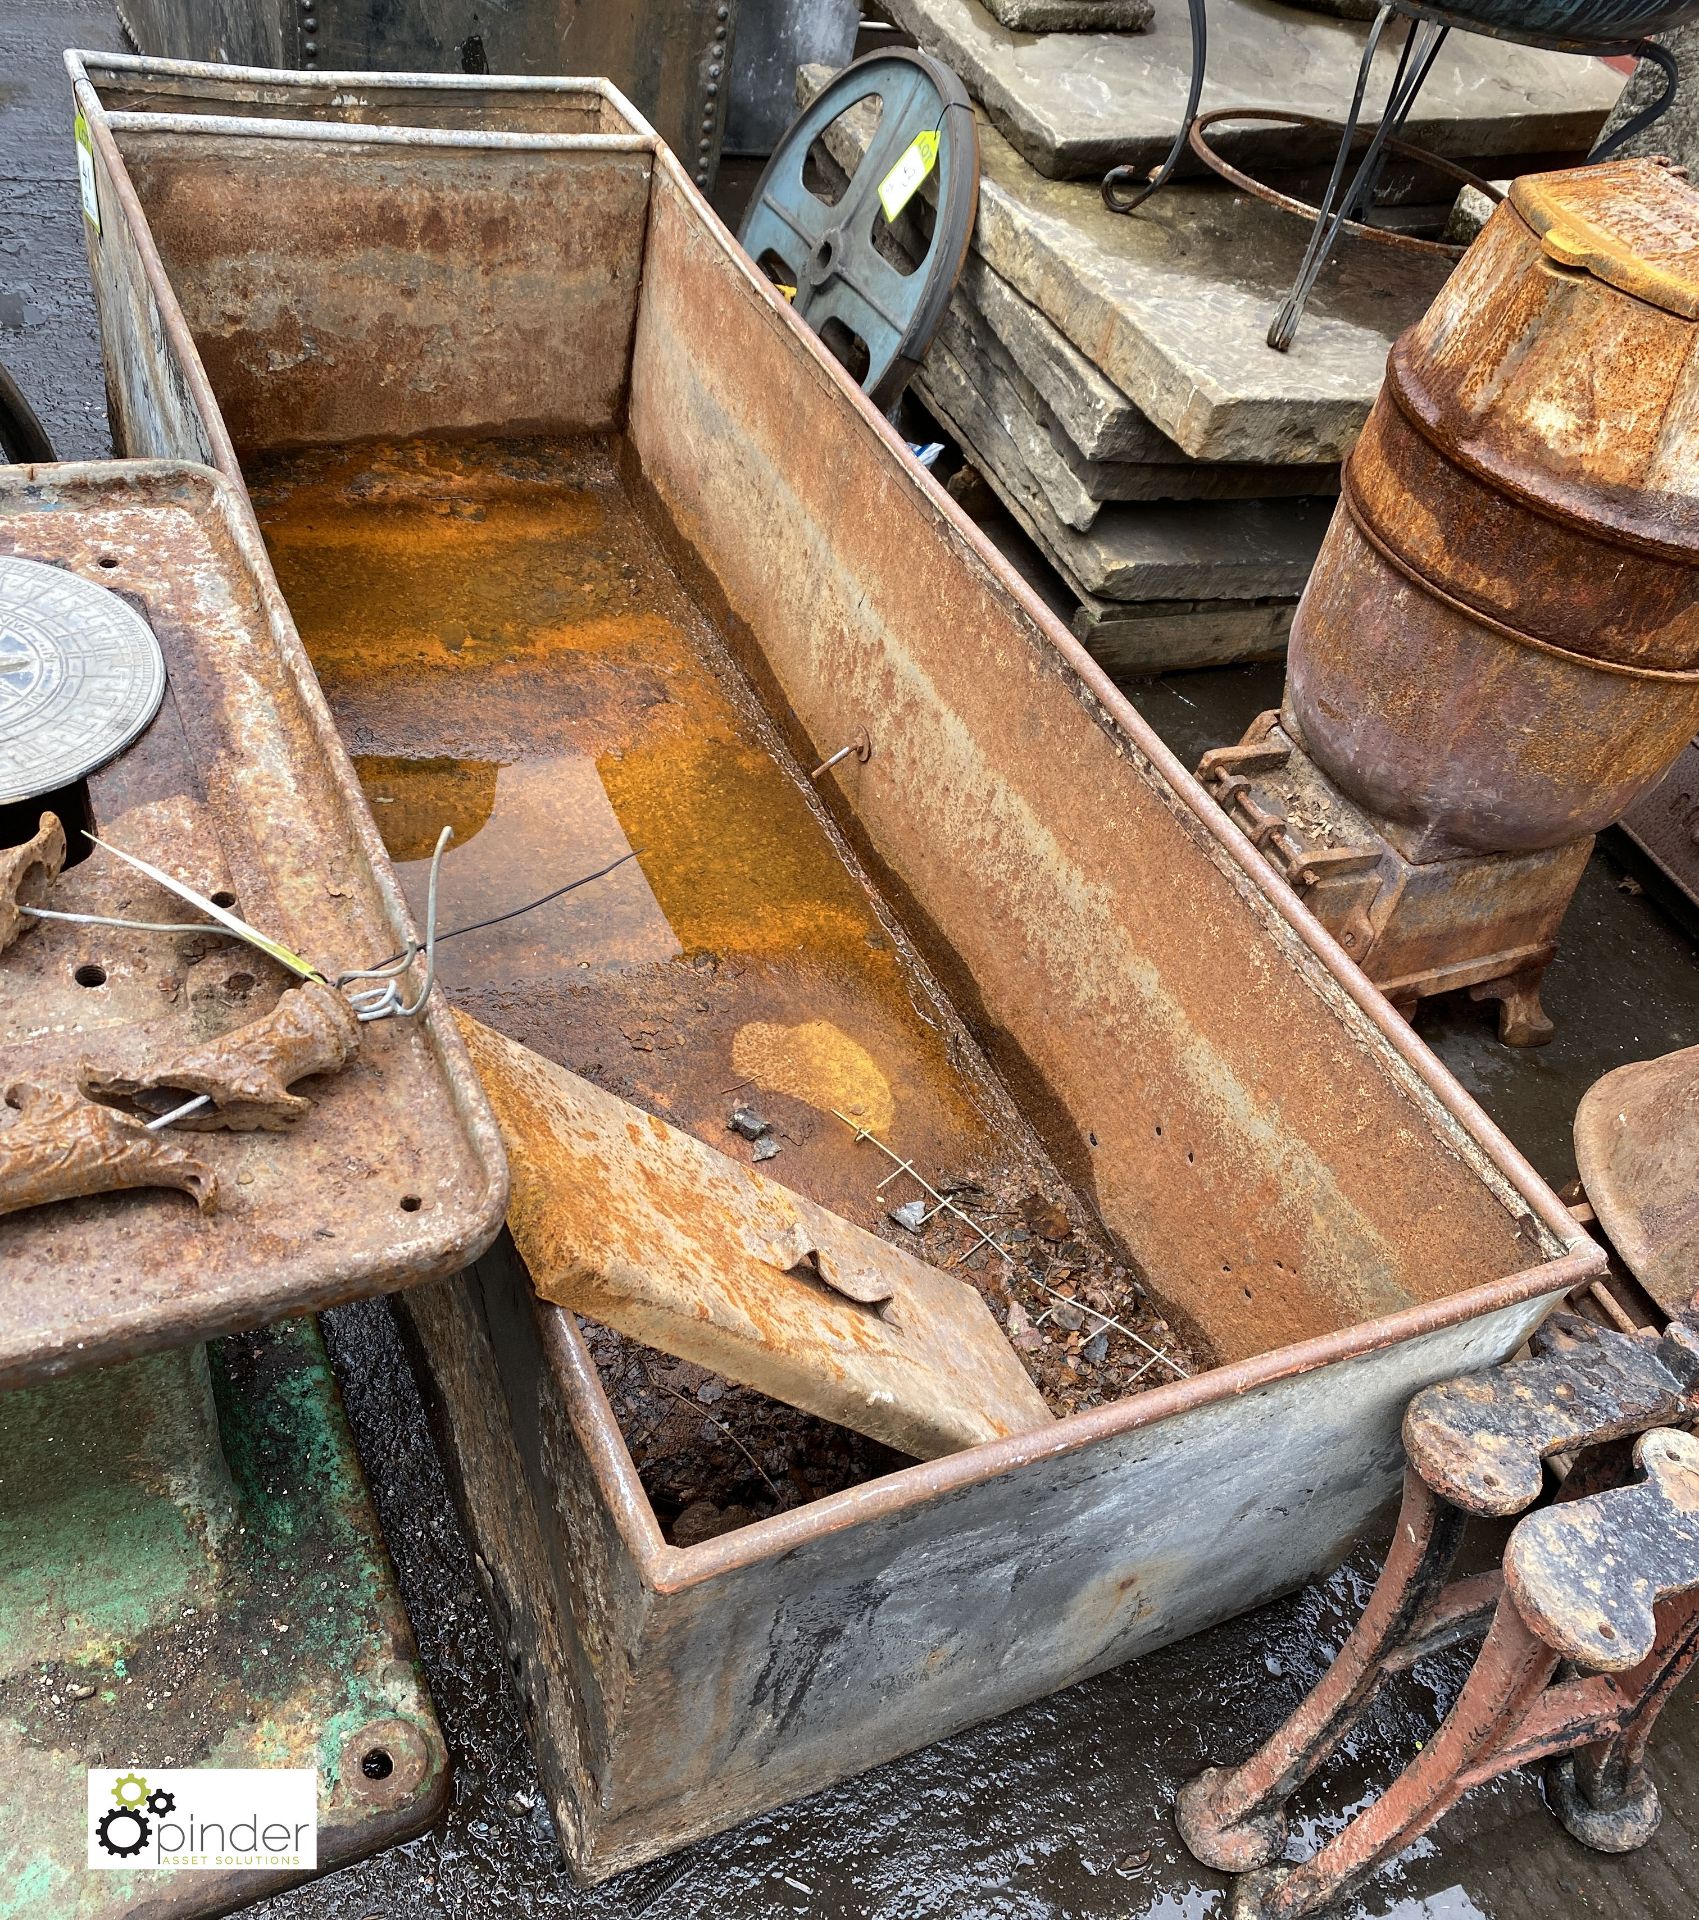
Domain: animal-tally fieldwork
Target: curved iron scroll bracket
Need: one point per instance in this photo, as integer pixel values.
(1653, 111)
(1117, 181)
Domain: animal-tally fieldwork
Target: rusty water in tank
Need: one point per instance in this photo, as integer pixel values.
(507, 649)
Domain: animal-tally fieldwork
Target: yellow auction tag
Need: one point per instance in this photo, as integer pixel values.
(85, 173)
(897, 188)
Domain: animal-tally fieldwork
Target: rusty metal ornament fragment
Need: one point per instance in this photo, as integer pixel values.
(246, 1073)
(26, 872)
(1498, 650)
(59, 1146)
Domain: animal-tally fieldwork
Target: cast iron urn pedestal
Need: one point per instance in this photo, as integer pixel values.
(1498, 650)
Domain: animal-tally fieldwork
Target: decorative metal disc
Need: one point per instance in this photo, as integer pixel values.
(81, 674)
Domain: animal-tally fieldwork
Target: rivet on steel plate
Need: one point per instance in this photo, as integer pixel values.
(860, 746)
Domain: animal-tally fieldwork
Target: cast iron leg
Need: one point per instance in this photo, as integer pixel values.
(1653, 111)
(1601, 1793)
(1422, 44)
(1510, 1673)
(1234, 1818)
(1522, 1021)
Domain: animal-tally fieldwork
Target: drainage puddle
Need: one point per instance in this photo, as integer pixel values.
(507, 650)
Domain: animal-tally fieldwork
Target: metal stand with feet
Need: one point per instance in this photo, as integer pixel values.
(1590, 1625)
(1346, 204)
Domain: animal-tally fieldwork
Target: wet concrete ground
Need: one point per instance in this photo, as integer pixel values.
(1058, 1812)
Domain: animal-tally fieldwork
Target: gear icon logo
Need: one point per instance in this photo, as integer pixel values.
(161, 1802)
(129, 1790)
(123, 1831)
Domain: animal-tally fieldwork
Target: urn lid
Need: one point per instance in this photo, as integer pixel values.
(1633, 224)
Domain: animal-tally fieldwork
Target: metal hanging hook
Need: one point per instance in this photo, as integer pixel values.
(384, 1001)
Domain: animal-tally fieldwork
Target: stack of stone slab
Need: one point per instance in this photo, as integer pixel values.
(1108, 375)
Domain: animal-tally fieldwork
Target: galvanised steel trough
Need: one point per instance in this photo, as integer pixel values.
(593, 548)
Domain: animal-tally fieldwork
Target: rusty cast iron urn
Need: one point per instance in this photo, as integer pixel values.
(1499, 647)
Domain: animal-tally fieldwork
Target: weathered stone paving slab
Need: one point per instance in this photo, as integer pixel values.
(1073, 16)
(1098, 418)
(1172, 304)
(1075, 104)
(1135, 639)
(1195, 550)
(1077, 488)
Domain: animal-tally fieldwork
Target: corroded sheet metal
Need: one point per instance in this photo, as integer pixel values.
(1637, 1151)
(1281, 1154)
(1554, 363)
(705, 1684)
(1262, 1208)
(1517, 531)
(671, 56)
(390, 335)
(633, 1222)
(1487, 739)
(241, 788)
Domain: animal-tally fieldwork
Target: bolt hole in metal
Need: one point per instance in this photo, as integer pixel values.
(376, 1764)
(223, 898)
(89, 975)
(108, 560)
(410, 1203)
(240, 983)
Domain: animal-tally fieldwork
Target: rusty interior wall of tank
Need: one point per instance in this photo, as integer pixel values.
(443, 297)
(1265, 1161)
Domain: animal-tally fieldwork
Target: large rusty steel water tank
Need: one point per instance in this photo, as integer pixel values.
(1499, 647)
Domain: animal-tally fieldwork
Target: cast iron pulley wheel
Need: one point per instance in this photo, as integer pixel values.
(828, 252)
(23, 439)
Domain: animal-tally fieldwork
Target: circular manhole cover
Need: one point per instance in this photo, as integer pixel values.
(81, 674)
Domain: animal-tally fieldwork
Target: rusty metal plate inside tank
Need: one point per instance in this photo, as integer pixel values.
(80, 675)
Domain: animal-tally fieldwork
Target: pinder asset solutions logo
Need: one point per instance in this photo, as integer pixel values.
(217, 1819)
